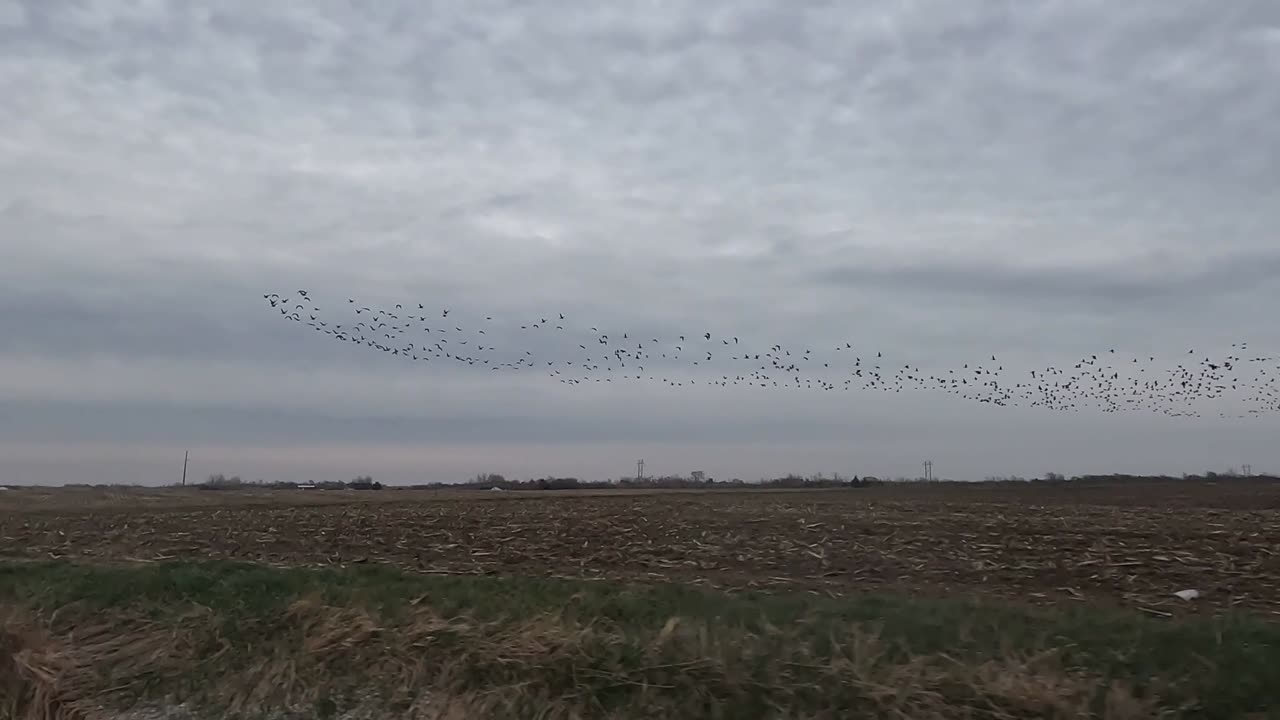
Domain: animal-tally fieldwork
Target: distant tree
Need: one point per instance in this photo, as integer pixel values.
(221, 482)
(484, 480)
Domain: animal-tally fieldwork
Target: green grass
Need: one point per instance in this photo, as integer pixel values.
(601, 648)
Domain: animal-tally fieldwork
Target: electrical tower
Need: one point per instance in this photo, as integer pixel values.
(928, 470)
(640, 469)
(1248, 469)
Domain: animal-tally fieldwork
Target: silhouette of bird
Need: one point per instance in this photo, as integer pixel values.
(1125, 384)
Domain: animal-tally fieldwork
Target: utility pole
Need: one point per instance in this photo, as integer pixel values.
(928, 470)
(185, 456)
(640, 469)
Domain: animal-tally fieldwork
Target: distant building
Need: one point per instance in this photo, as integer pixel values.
(307, 486)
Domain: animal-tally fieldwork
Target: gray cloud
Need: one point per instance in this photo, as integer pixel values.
(941, 181)
(1140, 283)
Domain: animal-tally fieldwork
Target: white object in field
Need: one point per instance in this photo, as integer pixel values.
(1191, 594)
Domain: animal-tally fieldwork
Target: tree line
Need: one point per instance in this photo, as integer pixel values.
(695, 480)
(222, 482)
(698, 480)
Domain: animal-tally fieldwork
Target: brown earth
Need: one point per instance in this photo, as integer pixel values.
(1132, 544)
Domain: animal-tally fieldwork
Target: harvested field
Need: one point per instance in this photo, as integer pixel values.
(1110, 544)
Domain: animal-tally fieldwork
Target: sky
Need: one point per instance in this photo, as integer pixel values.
(938, 181)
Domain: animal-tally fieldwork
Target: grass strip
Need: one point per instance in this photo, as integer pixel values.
(242, 640)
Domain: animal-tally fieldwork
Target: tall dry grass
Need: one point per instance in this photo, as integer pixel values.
(58, 671)
(420, 664)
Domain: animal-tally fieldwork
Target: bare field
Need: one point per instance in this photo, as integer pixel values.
(1123, 544)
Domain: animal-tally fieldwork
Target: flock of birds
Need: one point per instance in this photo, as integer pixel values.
(1109, 381)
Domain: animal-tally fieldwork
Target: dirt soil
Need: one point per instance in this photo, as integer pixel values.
(1132, 545)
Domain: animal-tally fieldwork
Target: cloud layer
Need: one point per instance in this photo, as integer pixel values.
(940, 180)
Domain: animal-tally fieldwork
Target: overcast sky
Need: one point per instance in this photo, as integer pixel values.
(939, 181)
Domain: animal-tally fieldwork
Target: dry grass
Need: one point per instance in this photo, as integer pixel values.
(563, 668)
(47, 673)
(256, 642)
